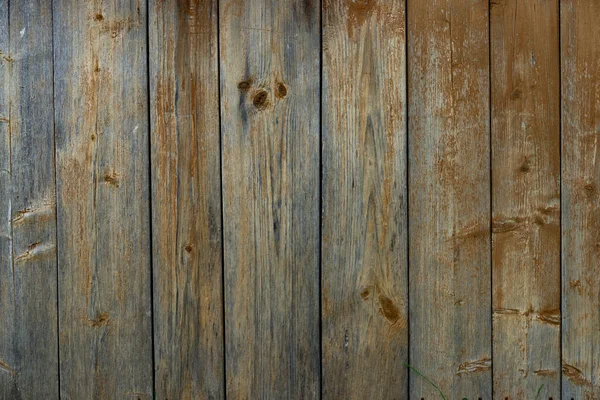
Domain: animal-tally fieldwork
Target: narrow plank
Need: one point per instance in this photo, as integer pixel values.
(449, 198)
(7, 289)
(103, 199)
(526, 198)
(186, 198)
(580, 56)
(29, 369)
(270, 147)
(364, 249)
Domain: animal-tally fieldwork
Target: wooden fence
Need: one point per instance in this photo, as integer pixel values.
(294, 199)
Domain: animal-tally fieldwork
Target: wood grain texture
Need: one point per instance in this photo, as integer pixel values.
(270, 149)
(7, 287)
(526, 198)
(364, 242)
(29, 358)
(102, 160)
(186, 199)
(580, 56)
(449, 197)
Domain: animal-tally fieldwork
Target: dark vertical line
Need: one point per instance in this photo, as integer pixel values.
(560, 136)
(321, 199)
(407, 178)
(149, 116)
(223, 320)
(491, 194)
(55, 201)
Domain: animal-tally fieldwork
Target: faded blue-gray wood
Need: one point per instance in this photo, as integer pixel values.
(270, 55)
(364, 241)
(28, 313)
(580, 59)
(186, 199)
(449, 198)
(102, 163)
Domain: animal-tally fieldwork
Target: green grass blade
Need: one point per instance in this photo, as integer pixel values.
(427, 380)
(537, 396)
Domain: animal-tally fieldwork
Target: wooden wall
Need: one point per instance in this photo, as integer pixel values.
(298, 199)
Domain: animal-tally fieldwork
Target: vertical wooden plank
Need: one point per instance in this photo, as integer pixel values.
(103, 199)
(270, 148)
(186, 198)
(526, 198)
(7, 289)
(29, 367)
(580, 56)
(364, 259)
(449, 197)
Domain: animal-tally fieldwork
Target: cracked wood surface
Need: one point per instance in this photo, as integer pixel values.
(449, 197)
(526, 197)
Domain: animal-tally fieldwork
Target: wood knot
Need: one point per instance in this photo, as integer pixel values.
(516, 94)
(388, 309)
(526, 166)
(112, 179)
(590, 189)
(99, 17)
(100, 320)
(244, 86)
(281, 90)
(189, 248)
(364, 294)
(261, 100)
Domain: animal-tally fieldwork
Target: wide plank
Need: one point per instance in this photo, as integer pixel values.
(28, 343)
(580, 66)
(526, 198)
(102, 162)
(270, 148)
(449, 198)
(186, 199)
(364, 240)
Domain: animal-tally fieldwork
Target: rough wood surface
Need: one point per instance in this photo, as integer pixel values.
(7, 289)
(449, 197)
(526, 198)
(186, 199)
(580, 56)
(364, 260)
(102, 163)
(270, 147)
(29, 358)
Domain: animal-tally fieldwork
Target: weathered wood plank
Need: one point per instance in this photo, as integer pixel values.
(364, 259)
(449, 197)
(103, 199)
(7, 289)
(580, 56)
(526, 198)
(29, 357)
(270, 148)
(186, 198)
